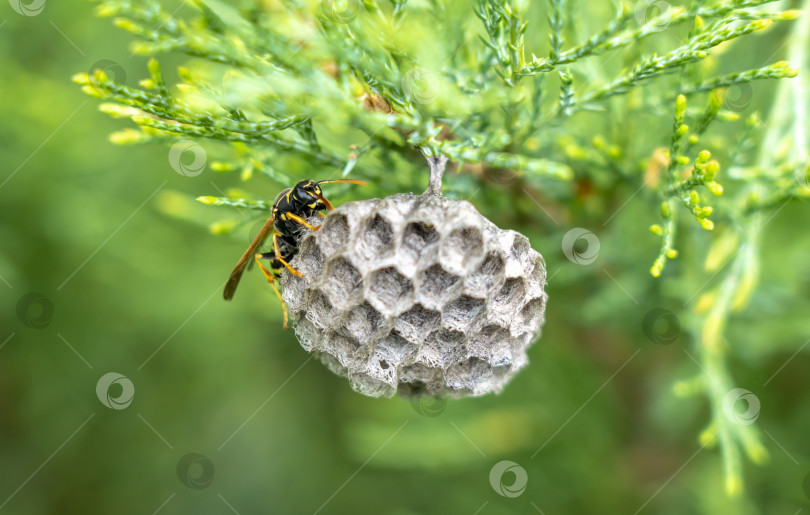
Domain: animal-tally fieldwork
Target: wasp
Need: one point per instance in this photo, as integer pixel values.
(288, 219)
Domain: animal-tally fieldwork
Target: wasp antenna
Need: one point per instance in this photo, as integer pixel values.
(347, 181)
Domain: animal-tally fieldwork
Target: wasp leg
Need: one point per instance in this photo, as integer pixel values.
(296, 218)
(272, 280)
(329, 206)
(321, 214)
(282, 260)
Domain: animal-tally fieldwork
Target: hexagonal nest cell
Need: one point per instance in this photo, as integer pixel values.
(417, 295)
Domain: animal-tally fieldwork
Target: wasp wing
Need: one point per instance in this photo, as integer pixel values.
(236, 275)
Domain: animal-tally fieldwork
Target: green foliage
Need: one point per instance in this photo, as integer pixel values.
(298, 90)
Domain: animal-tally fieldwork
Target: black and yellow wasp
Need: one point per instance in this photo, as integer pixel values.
(288, 218)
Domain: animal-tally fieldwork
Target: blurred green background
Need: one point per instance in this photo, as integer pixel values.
(122, 286)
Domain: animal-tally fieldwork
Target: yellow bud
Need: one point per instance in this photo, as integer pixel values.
(656, 229)
(708, 437)
(716, 189)
(672, 253)
(680, 103)
(81, 79)
(705, 302)
(712, 334)
(756, 452)
(106, 10)
(219, 166)
(209, 200)
(118, 111)
(221, 227)
(706, 224)
(575, 152)
(93, 92)
(744, 291)
(154, 67)
(728, 116)
(734, 485)
(127, 25)
(761, 24)
(726, 243)
(689, 387)
(791, 14)
(790, 72)
(127, 137)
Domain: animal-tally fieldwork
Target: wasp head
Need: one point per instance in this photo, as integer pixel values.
(308, 193)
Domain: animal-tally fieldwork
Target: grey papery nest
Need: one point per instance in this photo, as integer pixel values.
(416, 294)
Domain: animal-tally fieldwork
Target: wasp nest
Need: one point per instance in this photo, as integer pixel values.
(418, 294)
